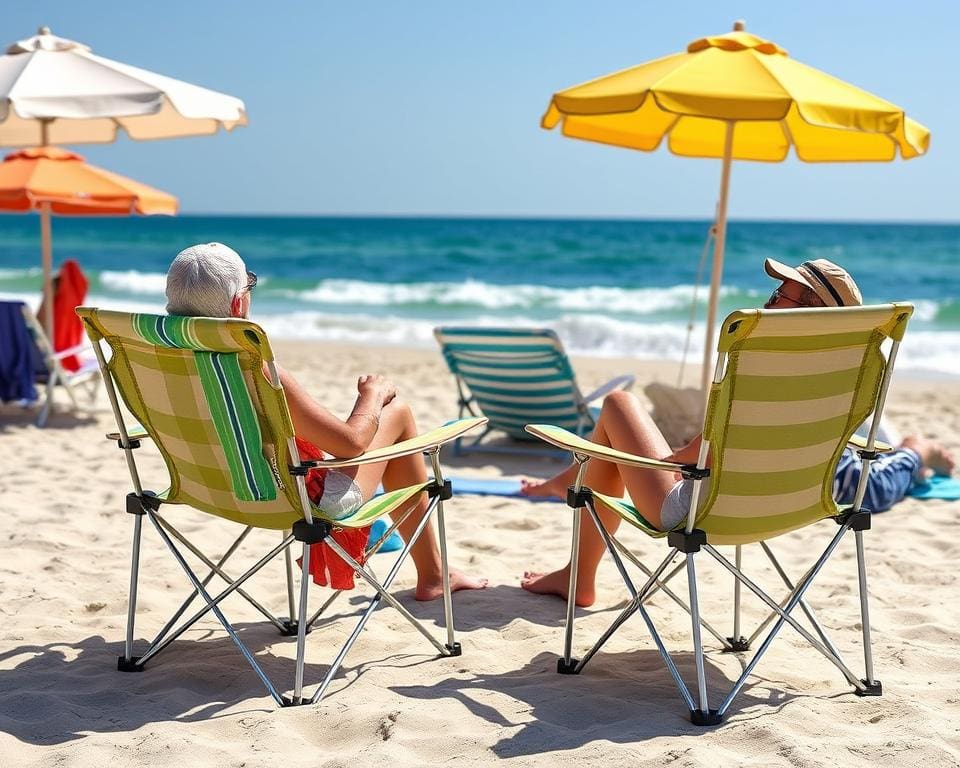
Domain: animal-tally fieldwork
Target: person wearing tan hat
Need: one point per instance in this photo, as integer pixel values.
(625, 425)
(827, 284)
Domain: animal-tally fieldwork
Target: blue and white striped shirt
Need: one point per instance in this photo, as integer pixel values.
(891, 476)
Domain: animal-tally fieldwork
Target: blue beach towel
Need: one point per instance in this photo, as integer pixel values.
(937, 487)
(16, 349)
(493, 487)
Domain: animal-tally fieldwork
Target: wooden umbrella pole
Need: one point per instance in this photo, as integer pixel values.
(46, 244)
(717, 270)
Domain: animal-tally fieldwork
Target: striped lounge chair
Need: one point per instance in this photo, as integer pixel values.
(197, 388)
(514, 376)
(789, 391)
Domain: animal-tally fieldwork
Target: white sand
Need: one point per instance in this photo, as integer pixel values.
(63, 597)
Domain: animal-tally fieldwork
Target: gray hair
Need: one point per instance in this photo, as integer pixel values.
(203, 280)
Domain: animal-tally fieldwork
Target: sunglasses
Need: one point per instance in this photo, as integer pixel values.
(251, 281)
(808, 299)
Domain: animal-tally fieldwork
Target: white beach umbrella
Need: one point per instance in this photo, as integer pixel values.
(55, 91)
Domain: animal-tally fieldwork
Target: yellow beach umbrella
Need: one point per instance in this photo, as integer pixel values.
(736, 97)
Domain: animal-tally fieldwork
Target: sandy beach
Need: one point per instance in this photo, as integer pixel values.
(64, 579)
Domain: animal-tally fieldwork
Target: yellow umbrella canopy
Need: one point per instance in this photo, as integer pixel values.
(776, 102)
(735, 96)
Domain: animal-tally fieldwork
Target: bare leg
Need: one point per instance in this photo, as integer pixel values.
(626, 426)
(396, 424)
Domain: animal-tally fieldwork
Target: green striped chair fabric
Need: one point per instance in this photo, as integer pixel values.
(200, 391)
(797, 385)
(198, 388)
(516, 376)
(792, 387)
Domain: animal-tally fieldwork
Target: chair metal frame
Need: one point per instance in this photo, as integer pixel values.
(689, 541)
(308, 531)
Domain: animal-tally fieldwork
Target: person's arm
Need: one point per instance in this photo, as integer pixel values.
(338, 437)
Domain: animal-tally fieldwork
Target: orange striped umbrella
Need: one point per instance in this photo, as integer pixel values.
(52, 180)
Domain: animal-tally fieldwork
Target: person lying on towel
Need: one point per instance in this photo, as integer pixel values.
(624, 424)
(211, 280)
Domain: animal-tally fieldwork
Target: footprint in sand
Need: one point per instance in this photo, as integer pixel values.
(387, 724)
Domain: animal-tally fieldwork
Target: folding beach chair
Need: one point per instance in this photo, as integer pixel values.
(197, 386)
(514, 376)
(45, 365)
(789, 390)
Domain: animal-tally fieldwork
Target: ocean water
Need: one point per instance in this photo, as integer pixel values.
(623, 288)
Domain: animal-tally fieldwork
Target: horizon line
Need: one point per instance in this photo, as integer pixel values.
(563, 217)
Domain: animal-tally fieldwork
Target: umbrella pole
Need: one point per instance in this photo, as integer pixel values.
(716, 273)
(46, 244)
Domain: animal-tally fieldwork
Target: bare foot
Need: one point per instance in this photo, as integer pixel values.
(933, 455)
(431, 590)
(553, 487)
(557, 583)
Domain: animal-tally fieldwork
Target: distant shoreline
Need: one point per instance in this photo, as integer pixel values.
(555, 218)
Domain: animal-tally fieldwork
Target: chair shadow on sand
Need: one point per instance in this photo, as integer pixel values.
(622, 697)
(60, 692)
(15, 417)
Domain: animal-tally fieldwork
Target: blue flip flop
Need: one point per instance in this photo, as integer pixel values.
(377, 530)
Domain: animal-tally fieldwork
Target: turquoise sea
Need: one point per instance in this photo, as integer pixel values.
(608, 287)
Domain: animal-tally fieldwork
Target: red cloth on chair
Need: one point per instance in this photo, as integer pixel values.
(326, 566)
(67, 327)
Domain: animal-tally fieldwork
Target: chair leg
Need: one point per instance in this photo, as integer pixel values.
(164, 640)
(302, 625)
(452, 645)
(703, 715)
(784, 617)
(171, 622)
(568, 665)
(872, 687)
(212, 604)
(737, 643)
(288, 570)
(128, 662)
(48, 400)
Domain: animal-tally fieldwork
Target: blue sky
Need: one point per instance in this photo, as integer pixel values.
(433, 107)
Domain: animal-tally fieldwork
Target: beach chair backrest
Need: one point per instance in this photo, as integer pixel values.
(796, 386)
(516, 376)
(198, 387)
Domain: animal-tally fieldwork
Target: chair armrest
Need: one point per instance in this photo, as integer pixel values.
(568, 441)
(620, 382)
(424, 443)
(70, 351)
(856, 441)
(135, 432)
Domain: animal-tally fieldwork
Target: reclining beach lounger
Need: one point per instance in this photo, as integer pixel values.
(514, 376)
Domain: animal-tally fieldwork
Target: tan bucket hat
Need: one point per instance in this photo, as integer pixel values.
(832, 283)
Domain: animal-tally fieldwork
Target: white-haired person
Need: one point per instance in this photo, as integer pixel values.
(664, 501)
(211, 280)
